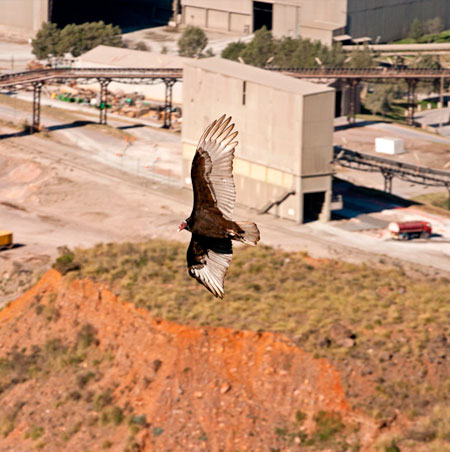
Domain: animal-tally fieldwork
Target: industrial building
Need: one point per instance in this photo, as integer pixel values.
(323, 20)
(28, 15)
(285, 140)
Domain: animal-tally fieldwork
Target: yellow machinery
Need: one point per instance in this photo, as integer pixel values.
(6, 239)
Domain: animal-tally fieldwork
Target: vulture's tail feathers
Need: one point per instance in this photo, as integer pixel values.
(251, 232)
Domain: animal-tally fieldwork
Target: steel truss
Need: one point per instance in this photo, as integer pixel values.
(390, 169)
(37, 78)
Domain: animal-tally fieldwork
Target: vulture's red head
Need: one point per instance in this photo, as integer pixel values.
(182, 226)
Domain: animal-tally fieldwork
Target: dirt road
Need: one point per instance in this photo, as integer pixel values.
(66, 188)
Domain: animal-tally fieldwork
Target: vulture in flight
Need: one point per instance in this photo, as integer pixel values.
(209, 253)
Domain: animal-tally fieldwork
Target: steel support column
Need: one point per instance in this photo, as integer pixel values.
(104, 82)
(352, 84)
(412, 83)
(36, 124)
(168, 102)
(441, 99)
(447, 186)
(388, 176)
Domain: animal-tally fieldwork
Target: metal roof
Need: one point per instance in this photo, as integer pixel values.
(253, 74)
(120, 57)
(321, 25)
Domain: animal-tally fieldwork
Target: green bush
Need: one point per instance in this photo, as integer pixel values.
(299, 52)
(192, 42)
(86, 336)
(35, 432)
(327, 425)
(74, 38)
(66, 262)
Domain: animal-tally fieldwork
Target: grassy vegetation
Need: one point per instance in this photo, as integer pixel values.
(373, 321)
(441, 37)
(54, 356)
(373, 314)
(435, 199)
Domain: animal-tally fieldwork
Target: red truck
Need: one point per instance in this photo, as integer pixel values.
(406, 230)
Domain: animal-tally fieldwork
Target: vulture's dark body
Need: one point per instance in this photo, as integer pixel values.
(210, 250)
(206, 219)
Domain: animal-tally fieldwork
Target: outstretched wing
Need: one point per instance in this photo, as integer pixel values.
(208, 260)
(212, 167)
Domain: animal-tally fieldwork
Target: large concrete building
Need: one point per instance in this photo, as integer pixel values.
(24, 15)
(27, 16)
(322, 20)
(285, 139)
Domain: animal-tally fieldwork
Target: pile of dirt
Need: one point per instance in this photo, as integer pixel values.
(82, 369)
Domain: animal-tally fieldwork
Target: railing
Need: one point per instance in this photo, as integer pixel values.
(20, 78)
(390, 168)
(373, 72)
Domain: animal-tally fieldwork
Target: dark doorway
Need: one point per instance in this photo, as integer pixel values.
(312, 205)
(262, 15)
(129, 15)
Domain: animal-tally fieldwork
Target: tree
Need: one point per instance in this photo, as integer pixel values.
(433, 26)
(73, 38)
(296, 53)
(78, 39)
(260, 49)
(416, 30)
(233, 50)
(47, 41)
(192, 42)
(380, 101)
(361, 58)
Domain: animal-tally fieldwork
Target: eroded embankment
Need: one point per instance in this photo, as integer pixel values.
(82, 369)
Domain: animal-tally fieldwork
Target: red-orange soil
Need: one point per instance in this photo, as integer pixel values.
(201, 389)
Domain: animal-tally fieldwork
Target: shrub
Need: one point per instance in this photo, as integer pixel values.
(233, 50)
(327, 425)
(192, 42)
(102, 400)
(86, 336)
(113, 416)
(416, 29)
(66, 262)
(35, 432)
(84, 378)
(141, 45)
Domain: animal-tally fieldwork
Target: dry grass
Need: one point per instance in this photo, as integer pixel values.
(271, 290)
(376, 321)
(440, 200)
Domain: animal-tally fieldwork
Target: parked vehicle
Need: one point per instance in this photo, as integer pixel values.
(406, 230)
(6, 240)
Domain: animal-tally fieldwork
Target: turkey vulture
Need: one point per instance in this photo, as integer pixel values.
(209, 253)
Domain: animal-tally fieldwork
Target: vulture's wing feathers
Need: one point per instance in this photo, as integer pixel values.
(208, 260)
(212, 167)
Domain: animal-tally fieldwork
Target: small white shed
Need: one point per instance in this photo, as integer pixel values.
(387, 145)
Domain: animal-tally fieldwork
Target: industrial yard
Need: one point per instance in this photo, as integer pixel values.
(332, 333)
(79, 183)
